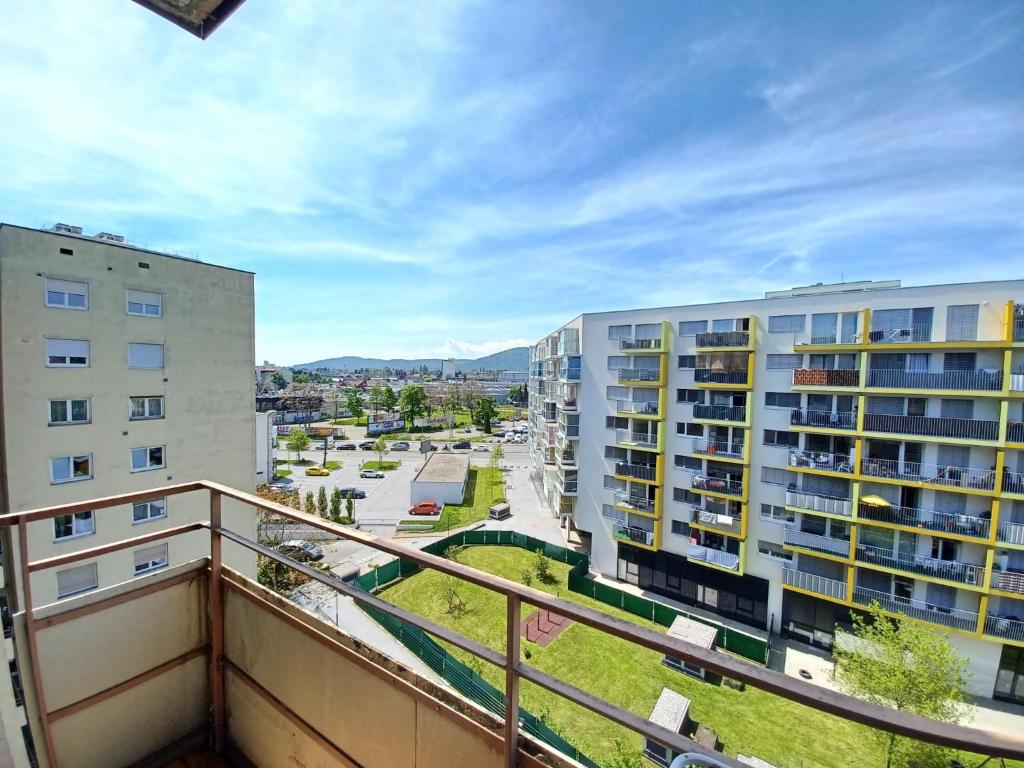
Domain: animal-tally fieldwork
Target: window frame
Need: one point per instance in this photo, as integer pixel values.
(146, 399)
(149, 507)
(777, 355)
(163, 356)
(71, 468)
(95, 584)
(787, 323)
(47, 292)
(775, 396)
(152, 564)
(75, 518)
(691, 324)
(149, 467)
(128, 302)
(68, 358)
(68, 401)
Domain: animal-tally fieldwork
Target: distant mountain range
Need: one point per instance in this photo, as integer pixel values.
(515, 359)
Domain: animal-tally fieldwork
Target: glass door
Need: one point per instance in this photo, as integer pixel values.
(1010, 678)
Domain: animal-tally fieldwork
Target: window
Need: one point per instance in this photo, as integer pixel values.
(616, 422)
(144, 459)
(784, 361)
(149, 510)
(773, 551)
(959, 361)
(679, 528)
(67, 353)
(144, 303)
(687, 361)
(72, 526)
(692, 327)
(962, 322)
(648, 330)
(689, 396)
(786, 323)
(146, 408)
(775, 476)
(685, 496)
(723, 326)
(67, 469)
(617, 393)
(775, 514)
(75, 580)
(688, 462)
(616, 332)
(614, 484)
(71, 411)
(685, 429)
(781, 399)
(823, 328)
(150, 558)
(611, 452)
(781, 437)
(145, 355)
(66, 294)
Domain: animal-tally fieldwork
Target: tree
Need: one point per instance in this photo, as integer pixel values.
(484, 412)
(310, 505)
(909, 667)
(541, 566)
(278, 380)
(300, 377)
(354, 403)
(321, 502)
(380, 448)
(376, 398)
(413, 402)
(335, 505)
(389, 399)
(517, 395)
(298, 441)
(350, 507)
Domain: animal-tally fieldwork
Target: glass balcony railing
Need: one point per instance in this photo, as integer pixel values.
(651, 345)
(816, 542)
(644, 408)
(948, 570)
(723, 448)
(932, 474)
(717, 485)
(982, 381)
(639, 439)
(569, 374)
(918, 609)
(929, 520)
(816, 502)
(1008, 628)
(720, 412)
(825, 377)
(632, 534)
(1008, 581)
(568, 485)
(637, 471)
(830, 462)
(802, 417)
(811, 582)
(714, 376)
(723, 339)
(633, 501)
(1017, 381)
(718, 557)
(627, 375)
(932, 426)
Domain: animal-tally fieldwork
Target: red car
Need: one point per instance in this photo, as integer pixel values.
(424, 508)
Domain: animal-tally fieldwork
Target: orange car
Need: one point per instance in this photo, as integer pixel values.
(424, 508)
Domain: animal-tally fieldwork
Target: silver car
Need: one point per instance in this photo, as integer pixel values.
(301, 550)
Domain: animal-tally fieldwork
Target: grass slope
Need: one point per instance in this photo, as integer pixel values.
(480, 495)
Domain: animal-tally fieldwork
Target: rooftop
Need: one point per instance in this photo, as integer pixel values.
(690, 631)
(444, 468)
(671, 710)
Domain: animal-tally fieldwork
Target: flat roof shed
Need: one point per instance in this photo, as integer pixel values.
(442, 478)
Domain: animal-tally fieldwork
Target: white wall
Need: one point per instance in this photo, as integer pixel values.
(442, 493)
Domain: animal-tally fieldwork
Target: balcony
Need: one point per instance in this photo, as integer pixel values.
(1015, 432)
(928, 520)
(824, 544)
(720, 485)
(646, 472)
(916, 333)
(816, 502)
(821, 460)
(918, 609)
(1008, 581)
(723, 339)
(639, 375)
(569, 373)
(567, 458)
(802, 417)
(699, 554)
(966, 381)
(634, 503)
(1004, 627)
(722, 449)
(643, 440)
(810, 582)
(641, 345)
(637, 407)
(632, 534)
(1010, 533)
(730, 524)
(947, 570)
(737, 377)
(1013, 482)
(932, 426)
(731, 413)
(968, 478)
(1018, 322)
(825, 377)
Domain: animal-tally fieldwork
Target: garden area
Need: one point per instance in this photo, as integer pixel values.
(747, 721)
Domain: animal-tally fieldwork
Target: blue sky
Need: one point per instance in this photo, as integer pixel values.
(458, 177)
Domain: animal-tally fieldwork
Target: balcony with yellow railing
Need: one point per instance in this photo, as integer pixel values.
(641, 346)
(724, 341)
(725, 370)
(643, 377)
(639, 500)
(635, 471)
(727, 415)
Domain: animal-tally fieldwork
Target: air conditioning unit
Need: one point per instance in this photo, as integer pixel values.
(110, 237)
(67, 229)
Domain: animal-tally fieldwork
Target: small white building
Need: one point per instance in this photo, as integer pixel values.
(696, 633)
(672, 711)
(442, 478)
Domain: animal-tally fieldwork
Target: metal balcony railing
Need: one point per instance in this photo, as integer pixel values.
(962, 573)
(816, 502)
(1004, 627)
(717, 557)
(638, 374)
(825, 377)
(918, 609)
(1008, 581)
(1010, 533)
(714, 376)
(723, 339)
(717, 485)
(633, 501)
(932, 426)
(645, 408)
(918, 332)
(1018, 322)
(1013, 482)
(831, 462)
(723, 448)
(639, 439)
(982, 381)
(637, 471)
(633, 534)
(802, 417)
(818, 543)
(932, 474)
(1015, 432)
(721, 521)
(634, 344)
(821, 585)
(720, 412)
(929, 520)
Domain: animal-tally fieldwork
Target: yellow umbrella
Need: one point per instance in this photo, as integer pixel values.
(875, 501)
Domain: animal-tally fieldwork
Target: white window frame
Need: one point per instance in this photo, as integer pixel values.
(149, 467)
(776, 556)
(76, 519)
(95, 580)
(787, 323)
(63, 287)
(150, 505)
(143, 304)
(71, 469)
(146, 401)
(70, 410)
(154, 563)
(67, 358)
(163, 355)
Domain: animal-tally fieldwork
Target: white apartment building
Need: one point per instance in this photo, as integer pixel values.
(784, 460)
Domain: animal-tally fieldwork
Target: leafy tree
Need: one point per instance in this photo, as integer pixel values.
(335, 505)
(526, 577)
(389, 399)
(321, 502)
(350, 507)
(298, 441)
(310, 505)
(380, 448)
(376, 398)
(483, 412)
(413, 402)
(300, 377)
(354, 403)
(517, 395)
(542, 566)
(909, 667)
(278, 380)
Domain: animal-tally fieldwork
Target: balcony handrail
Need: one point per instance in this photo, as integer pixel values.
(1010, 532)
(639, 374)
(824, 460)
(823, 585)
(1013, 482)
(1005, 627)
(723, 339)
(931, 474)
(639, 471)
(646, 407)
(920, 609)
(626, 499)
(639, 438)
(928, 519)
(714, 483)
(633, 533)
(794, 689)
(640, 343)
(728, 448)
(804, 417)
(819, 502)
(950, 570)
(829, 544)
(720, 412)
(903, 334)
(979, 380)
(703, 516)
(932, 426)
(720, 375)
(826, 377)
(704, 554)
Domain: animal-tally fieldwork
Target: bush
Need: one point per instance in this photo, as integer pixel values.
(526, 577)
(542, 567)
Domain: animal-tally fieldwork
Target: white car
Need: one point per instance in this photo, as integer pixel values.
(481, 449)
(509, 438)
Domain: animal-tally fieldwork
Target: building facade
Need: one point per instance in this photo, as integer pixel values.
(786, 460)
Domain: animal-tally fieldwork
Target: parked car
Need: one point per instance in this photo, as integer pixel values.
(373, 474)
(366, 445)
(481, 448)
(499, 434)
(509, 437)
(468, 429)
(299, 549)
(356, 493)
(401, 446)
(462, 444)
(424, 508)
(346, 447)
(317, 471)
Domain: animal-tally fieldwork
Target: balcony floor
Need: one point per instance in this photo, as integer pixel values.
(203, 757)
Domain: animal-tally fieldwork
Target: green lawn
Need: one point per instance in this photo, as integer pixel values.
(383, 466)
(333, 465)
(349, 422)
(282, 472)
(480, 495)
(749, 722)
